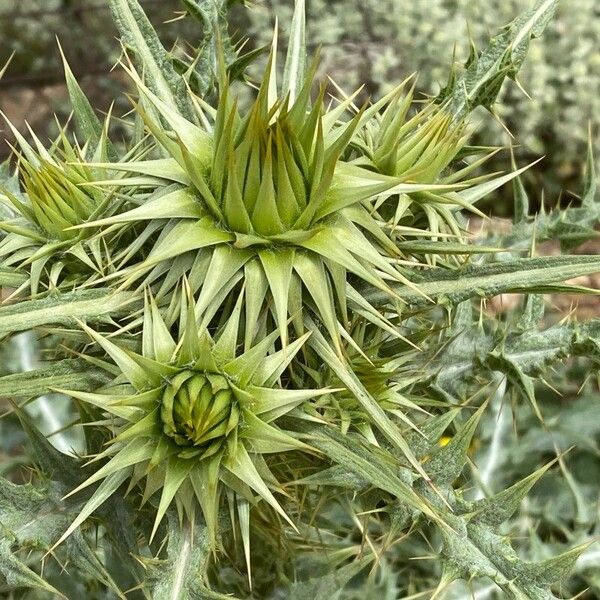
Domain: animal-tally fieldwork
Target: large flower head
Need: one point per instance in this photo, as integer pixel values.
(194, 416)
(263, 197)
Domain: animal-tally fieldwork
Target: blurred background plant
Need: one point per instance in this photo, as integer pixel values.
(33, 87)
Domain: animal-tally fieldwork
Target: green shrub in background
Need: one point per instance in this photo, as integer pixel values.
(33, 87)
(264, 317)
(29, 29)
(380, 42)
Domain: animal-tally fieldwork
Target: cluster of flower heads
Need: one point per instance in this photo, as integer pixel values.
(247, 239)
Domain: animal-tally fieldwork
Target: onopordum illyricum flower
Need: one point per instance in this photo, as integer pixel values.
(55, 196)
(191, 415)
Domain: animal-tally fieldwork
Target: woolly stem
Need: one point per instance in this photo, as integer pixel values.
(481, 594)
(183, 561)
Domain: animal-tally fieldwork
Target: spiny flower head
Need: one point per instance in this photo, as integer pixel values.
(195, 415)
(54, 196)
(57, 203)
(427, 146)
(198, 410)
(263, 198)
(272, 168)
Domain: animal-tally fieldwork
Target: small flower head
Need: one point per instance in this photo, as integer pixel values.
(199, 410)
(55, 196)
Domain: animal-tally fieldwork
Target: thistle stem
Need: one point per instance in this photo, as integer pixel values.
(183, 560)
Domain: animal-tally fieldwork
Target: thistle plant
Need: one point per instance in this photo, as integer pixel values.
(265, 316)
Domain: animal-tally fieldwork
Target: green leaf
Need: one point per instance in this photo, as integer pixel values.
(370, 406)
(272, 403)
(224, 264)
(139, 35)
(11, 278)
(485, 72)
(330, 585)
(345, 450)
(500, 507)
(88, 562)
(202, 72)
(88, 124)
(74, 374)
(56, 465)
(312, 273)
(104, 491)
(136, 451)
(161, 168)
(293, 73)
(497, 361)
(557, 568)
(448, 462)
(471, 195)
(521, 199)
(243, 468)
(278, 270)
(19, 574)
(176, 473)
(437, 248)
(523, 275)
(31, 517)
(466, 351)
(64, 309)
(588, 199)
(180, 204)
(186, 236)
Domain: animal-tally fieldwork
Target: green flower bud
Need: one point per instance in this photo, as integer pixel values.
(58, 201)
(198, 408)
